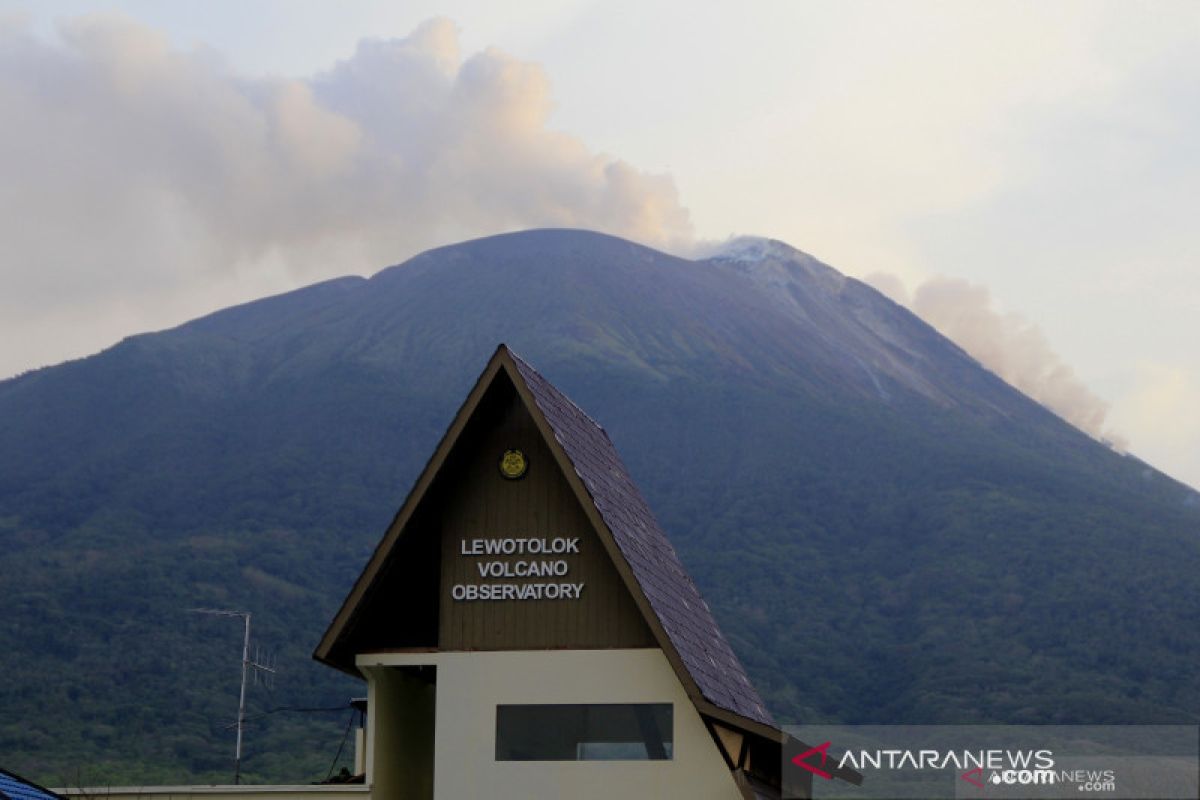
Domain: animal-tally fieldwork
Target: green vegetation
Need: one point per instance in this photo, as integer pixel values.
(953, 555)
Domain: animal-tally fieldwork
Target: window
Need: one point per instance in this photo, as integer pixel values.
(601, 732)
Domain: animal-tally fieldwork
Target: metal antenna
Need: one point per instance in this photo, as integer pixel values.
(247, 665)
(264, 669)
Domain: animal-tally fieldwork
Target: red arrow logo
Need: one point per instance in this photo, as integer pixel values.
(823, 749)
(977, 771)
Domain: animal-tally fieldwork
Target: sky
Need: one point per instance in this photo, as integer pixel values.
(1024, 176)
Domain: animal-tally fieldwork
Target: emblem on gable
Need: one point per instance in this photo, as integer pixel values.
(513, 464)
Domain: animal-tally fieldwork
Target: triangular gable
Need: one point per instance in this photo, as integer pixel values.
(667, 599)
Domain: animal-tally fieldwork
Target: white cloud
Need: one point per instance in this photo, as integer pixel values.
(1044, 150)
(142, 178)
(1007, 344)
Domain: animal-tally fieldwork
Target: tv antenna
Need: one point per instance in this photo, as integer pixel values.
(257, 666)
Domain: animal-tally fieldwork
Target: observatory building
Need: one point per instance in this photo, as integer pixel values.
(526, 629)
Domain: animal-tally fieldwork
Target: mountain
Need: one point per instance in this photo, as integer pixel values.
(885, 530)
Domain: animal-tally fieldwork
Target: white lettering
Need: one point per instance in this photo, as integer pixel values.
(520, 571)
(524, 591)
(509, 546)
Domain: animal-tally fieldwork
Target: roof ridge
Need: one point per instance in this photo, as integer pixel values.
(523, 363)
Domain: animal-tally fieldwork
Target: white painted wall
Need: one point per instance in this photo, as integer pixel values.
(400, 731)
(471, 685)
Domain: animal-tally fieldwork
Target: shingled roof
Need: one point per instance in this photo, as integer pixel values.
(674, 598)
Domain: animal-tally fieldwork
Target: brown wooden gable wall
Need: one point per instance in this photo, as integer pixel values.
(476, 502)
(410, 605)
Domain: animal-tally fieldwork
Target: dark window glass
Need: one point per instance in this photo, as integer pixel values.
(607, 732)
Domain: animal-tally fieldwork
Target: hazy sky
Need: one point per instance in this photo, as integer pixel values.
(1024, 175)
